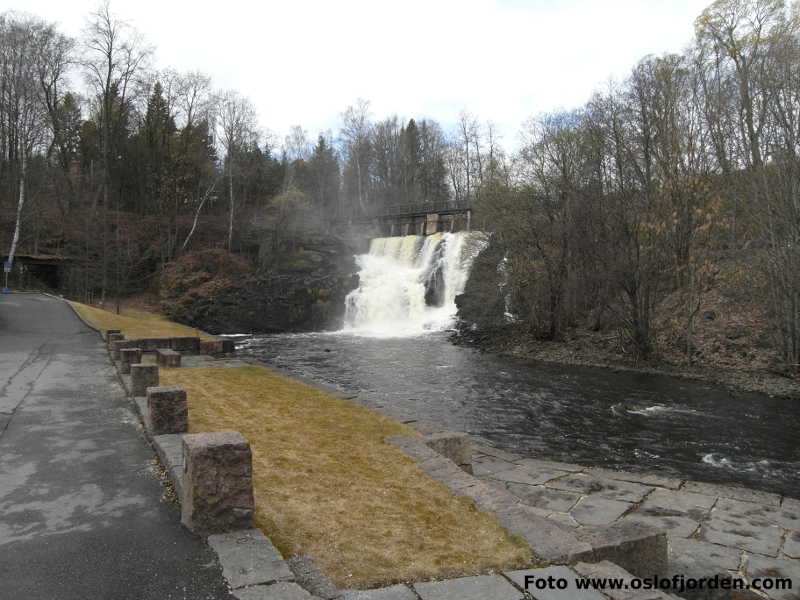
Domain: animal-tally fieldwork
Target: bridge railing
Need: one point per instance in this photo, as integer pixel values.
(423, 208)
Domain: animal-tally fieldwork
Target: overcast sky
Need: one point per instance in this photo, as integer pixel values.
(304, 62)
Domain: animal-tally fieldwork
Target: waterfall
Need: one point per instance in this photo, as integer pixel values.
(408, 285)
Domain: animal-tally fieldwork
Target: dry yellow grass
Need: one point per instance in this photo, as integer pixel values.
(328, 486)
(136, 323)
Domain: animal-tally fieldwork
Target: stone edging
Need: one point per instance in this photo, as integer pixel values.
(635, 547)
(79, 315)
(251, 565)
(255, 570)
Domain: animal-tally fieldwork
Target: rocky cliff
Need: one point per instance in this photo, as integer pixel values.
(301, 290)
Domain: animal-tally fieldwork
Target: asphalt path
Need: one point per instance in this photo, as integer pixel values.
(82, 513)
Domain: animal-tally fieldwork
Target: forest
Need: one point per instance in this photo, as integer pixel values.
(679, 181)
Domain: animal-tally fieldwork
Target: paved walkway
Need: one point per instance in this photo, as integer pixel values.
(712, 529)
(81, 510)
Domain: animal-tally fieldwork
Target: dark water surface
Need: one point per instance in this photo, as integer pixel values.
(588, 416)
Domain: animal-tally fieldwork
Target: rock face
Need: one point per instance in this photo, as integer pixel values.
(299, 291)
(482, 305)
(217, 482)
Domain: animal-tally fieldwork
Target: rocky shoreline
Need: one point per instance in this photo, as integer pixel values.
(584, 350)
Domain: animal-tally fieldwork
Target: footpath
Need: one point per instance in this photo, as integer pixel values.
(81, 508)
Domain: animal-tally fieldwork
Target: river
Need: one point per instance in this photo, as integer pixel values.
(589, 416)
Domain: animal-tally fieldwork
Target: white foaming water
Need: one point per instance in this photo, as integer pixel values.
(395, 277)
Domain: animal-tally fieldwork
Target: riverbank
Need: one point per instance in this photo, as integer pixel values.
(598, 349)
(326, 483)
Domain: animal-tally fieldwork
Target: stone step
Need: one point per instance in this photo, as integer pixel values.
(554, 583)
(636, 547)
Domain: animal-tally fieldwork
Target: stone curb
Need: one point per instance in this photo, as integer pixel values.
(510, 585)
(251, 565)
(635, 547)
(79, 315)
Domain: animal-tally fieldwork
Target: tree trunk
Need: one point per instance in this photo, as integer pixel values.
(20, 204)
(197, 214)
(230, 191)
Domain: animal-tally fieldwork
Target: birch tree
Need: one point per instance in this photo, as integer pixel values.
(20, 99)
(237, 128)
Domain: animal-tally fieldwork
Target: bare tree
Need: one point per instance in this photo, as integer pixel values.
(21, 60)
(194, 97)
(355, 135)
(237, 129)
(114, 55)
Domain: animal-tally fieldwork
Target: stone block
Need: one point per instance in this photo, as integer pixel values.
(110, 332)
(696, 559)
(128, 357)
(282, 590)
(549, 541)
(190, 345)
(484, 465)
(637, 548)
(117, 346)
(773, 568)
(544, 498)
(311, 577)
(791, 547)
(609, 570)
(527, 476)
(170, 449)
(781, 516)
(668, 503)
(481, 587)
(168, 358)
(675, 527)
(453, 445)
(152, 344)
(141, 407)
(167, 410)
(217, 482)
(596, 510)
(546, 592)
(495, 452)
(733, 492)
(538, 464)
(249, 558)
(643, 478)
(210, 347)
(746, 533)
(143, 377)
(612, 489)
(395, 592)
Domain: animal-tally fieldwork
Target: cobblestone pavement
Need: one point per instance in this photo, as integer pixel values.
(712, 529)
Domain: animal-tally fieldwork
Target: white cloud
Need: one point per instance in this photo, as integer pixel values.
(305, 62)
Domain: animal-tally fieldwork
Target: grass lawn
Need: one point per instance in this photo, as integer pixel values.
(136, 323)
(328, 486)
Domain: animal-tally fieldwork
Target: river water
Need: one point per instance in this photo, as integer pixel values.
(589, 416)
